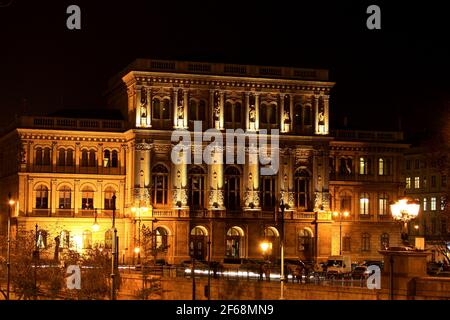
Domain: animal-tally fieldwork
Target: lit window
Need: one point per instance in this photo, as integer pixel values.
(416, 182)
(384, 241)
(425, 206)
(365, 242)
(408, 183)
(442, 203)
(381, 169)
(382, 203)
(364, 204)
(363, 165)
(433, 204)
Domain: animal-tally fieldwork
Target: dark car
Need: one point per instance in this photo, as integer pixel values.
(360, 272)
(367, 263)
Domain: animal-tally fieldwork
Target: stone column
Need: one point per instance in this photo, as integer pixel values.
(149, 108)
(316, 113)
(175, 108)
(130, 154)
(98, 199)
(281, 112)
(291, 112)
(215, 176)
(251, 180)
(179, 182)
(257, 111)
(137, 101)
(53, 191)
(326, 99)
(76, 196)
(185, 109)
(77, 157)
(30, 197)
(211, 107)
(247, 105)
(54, 154)
(222, 110)
(100, 158)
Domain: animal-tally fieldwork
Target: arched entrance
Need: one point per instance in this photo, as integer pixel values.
(272, 237)
(197, 243)
(235, 243)
(305, 244)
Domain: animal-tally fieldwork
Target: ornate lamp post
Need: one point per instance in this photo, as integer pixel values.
(339, 214)
(404, 210)
(282, 207)
(137, 249)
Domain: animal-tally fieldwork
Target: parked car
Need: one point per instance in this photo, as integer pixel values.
(338, 265)
(251, 265)
(360, 272)
(373, 262)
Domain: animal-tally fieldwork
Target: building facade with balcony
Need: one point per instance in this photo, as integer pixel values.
(64, 171)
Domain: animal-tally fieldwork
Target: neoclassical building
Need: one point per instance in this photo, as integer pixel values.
(65, 172)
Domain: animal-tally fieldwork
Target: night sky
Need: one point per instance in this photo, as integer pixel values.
(402, 70)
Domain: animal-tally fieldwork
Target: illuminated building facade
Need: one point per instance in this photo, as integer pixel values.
(64, 171)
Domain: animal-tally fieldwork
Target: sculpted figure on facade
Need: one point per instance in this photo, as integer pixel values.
(252, 110)
(180, 104)
(143, 105)
(216, 106)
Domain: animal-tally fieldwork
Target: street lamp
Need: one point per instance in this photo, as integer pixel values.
(115, 250)
(137, 249)
(282, 207)
(405, 210)
(264, 248)
(95, 226)
(339, 214)
(8, 257)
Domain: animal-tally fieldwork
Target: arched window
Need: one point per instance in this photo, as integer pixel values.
(109, 239)
(365, 242)
(106, 158)
(160, 184)
(234, 242)
(108, 200)
(161, 238)
(197, 187)
(228, 112)
(381, 167)
(268, 192)
(84, 158)
(232, 188)
(161, 109)
(46, 160)
(305, 241)
(114, 159)
(297, 117)
(384, 241)
(87, 198)
(65, 239)
(87, 239)
(38, 157)
(69, 158)
(233, 114)
(271, 237)
(197, 243)
(197, 110)
(364, 204)
(41, 239)
(92, 159)
(65, 197)
(41, 197)
(62, 157)
(302, 188)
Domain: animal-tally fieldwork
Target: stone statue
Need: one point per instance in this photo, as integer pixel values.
(286, 117)
(216, 106)
(143, 102)
(321, 115)
(180, 104)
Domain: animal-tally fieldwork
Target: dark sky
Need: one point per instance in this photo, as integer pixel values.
(401, 70)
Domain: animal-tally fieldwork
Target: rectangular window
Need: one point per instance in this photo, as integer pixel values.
(408, 183)
(442, 203)
(433, 181)
(424, 182)
(416, 182)
(443, 181)
(364, 204)
(362, 165)
(381, 169)
(346, 243)
(382, 204)
(416, 164)
(408, 164)
(433, 203)
(425, 205)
